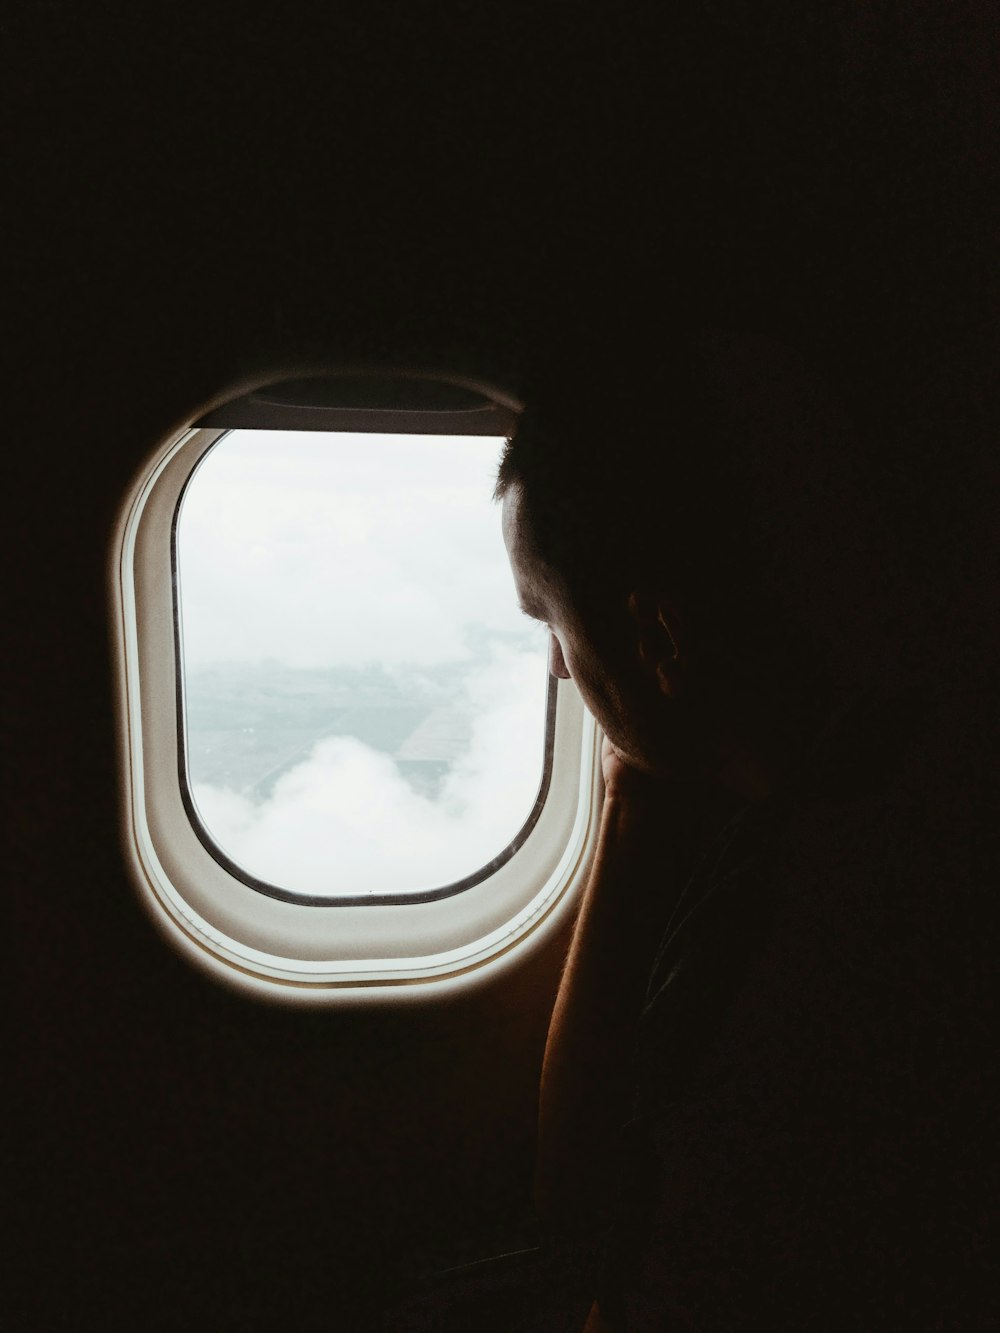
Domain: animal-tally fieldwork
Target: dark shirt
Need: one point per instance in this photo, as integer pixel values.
(812, 1134)
(807, 1144)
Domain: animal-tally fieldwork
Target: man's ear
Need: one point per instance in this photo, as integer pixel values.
(661, 639)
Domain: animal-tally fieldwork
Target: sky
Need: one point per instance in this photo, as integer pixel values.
(323, 551)
(329, 550)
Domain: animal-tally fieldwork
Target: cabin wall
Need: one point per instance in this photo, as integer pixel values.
(192, 1158)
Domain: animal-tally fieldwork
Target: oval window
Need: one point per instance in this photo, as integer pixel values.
(364, 708)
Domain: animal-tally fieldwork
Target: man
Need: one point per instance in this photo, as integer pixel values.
(757, 1071)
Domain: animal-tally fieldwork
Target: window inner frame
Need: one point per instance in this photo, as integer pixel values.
(252, 881)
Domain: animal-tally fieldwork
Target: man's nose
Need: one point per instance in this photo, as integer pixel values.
(557, 663)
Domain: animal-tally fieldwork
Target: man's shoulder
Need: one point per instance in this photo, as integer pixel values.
(864, 888)
(820, 1153)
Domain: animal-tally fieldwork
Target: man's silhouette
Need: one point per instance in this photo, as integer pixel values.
(760, 1101)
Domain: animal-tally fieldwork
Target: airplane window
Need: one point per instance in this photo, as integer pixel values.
(347, 775)
(364, 708)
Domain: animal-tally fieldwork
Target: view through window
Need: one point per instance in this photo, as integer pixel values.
(364, 702)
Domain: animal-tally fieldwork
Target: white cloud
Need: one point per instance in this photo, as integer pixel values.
(346, 821)
(338, 550)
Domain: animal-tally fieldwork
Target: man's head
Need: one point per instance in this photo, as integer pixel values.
(590, 641)
(625, 649)
(695, 558)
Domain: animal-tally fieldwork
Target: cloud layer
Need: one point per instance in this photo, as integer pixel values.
(345, 821)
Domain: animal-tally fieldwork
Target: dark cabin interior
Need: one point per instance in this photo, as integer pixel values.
(202, 193)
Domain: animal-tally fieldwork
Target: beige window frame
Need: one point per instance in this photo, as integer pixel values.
(283, 947)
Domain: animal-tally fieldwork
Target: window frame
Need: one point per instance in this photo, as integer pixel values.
(277, 944)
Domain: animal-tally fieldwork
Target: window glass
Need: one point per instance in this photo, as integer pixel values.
(364, 705)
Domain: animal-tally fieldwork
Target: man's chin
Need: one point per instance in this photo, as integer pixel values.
(638, 759)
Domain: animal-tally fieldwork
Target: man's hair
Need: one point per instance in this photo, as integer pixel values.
(600, 491)
(628, 483)
(726, 482)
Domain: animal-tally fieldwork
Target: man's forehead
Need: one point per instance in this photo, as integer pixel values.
(513, 501)
(535, 581)
(515, 527)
